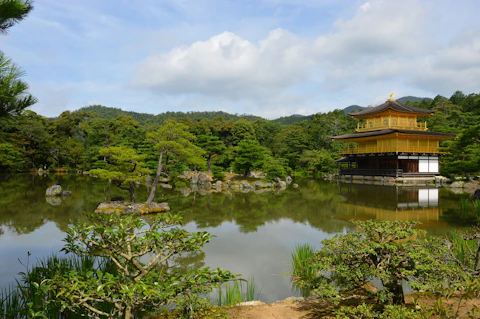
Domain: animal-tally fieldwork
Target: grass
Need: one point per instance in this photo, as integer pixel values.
(303, 269)
(464, 204)
(240, 290)
(25, 299)
(476, 210)
(464, 250)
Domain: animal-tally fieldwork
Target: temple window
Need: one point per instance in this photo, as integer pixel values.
(394, 122)
(385, 122)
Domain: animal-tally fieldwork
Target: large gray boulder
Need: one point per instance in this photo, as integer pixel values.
(457, 184)
(441, 180)
(245, 185)
(471, 186)
(282, 185)
(203, 178)
(194, 179)
(54, 191)
(259, 184)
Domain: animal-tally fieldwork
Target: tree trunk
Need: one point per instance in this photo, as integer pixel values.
(131, 189)
(209, 160)
(397, 290)
(155, 181)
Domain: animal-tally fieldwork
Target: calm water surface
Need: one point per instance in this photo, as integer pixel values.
(255, 233)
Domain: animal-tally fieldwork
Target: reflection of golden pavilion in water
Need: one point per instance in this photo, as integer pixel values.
(391, 203)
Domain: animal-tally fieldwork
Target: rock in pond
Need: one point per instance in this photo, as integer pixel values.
(260, 184)
(126, 208)
(53, 200)
(53, 191)
(282, 185)
(295, 185)
(476, 195)
(66, 193)
(457, 184)
(203, 178)
(288, 179)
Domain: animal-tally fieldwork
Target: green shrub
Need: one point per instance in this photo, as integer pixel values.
(217, 172)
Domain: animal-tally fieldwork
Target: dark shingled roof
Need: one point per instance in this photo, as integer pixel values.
(394, 105)
(389, 131)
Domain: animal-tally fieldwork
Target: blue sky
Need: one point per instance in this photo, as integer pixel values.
(269, 58)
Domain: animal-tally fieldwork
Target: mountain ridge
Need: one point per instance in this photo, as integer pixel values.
(112, 112)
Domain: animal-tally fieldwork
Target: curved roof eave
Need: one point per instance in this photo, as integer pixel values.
(393, 105)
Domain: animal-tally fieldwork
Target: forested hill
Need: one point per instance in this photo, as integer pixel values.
(112, 112)
(105, 112)
(412, 99)
(353, 108)
(286, 120)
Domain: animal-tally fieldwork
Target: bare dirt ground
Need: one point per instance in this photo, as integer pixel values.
(296, 308)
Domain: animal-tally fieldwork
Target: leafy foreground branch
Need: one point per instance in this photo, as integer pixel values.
(144, 281)
(391, 254)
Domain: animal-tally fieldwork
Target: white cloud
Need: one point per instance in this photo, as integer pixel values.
(227, 65)
(378, 28)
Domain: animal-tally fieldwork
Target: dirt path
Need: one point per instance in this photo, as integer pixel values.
(298, 308)
(290, 308)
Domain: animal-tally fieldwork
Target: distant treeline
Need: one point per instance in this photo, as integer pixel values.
(302, 143)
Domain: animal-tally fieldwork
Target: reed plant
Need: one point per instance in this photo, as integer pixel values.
(464, 207)
(476, 210)
(302, 265)
(463, 249)
(240, 290)
(303, 268)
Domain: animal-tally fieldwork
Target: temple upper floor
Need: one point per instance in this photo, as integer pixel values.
(391, 115)
(395, 121)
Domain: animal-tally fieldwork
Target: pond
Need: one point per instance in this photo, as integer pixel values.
(255, 234)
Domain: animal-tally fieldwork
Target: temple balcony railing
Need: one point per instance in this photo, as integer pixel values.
(411, 126)
(372, 172)
(366, 149)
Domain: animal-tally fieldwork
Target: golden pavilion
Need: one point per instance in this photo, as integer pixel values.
(391, 142)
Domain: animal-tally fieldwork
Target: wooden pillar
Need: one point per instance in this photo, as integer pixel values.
(396, 172)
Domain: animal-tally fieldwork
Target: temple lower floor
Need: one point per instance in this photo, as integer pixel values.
(389, 165)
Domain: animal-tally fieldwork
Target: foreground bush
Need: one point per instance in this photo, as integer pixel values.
(144, 281)
(389, 252)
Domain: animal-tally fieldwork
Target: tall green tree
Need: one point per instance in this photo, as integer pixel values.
(124, 169)
(174, 143)
(248, 156)
(13, 11)
(13, 92)
(242, 130)
(14, 97)
(212, 145)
